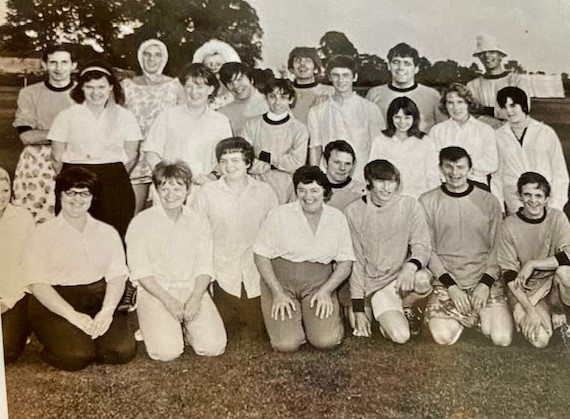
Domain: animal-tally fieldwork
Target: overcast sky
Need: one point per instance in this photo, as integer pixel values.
(535, 32)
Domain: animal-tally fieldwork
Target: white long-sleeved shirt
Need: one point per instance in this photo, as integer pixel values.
(477, 138)
(415, 158)
(174, 253)
(235, 219)
(541, 152)
(356, 120)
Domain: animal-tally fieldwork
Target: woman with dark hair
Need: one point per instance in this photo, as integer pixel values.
(527, 145)
(146, 96)
(190, 132)
(99, 134)
(407, 148)
(75, 269)
(294, 253)
(465, 131)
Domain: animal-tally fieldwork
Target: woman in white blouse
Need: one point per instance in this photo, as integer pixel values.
(294, 252)
(406, 147)
(101, 135)
(75, 268)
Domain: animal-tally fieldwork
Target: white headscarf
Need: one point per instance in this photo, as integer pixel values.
(215, 46)
(143, 46)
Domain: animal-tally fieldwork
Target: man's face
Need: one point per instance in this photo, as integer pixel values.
(233, 165)
(382, 191)
(403, 71)
(304, 69)
(278, 102)
(339, 166)
(152, 59)
(513, 111)
(342, 79)
(456, 173)
(172, 194)
(534, 201)
(491, 60)
(59, 67)
(240, 86)
(197, 92)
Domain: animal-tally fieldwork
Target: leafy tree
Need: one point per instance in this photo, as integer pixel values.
(372, 70)
(182, 25)
(335, 43)
(514, 66)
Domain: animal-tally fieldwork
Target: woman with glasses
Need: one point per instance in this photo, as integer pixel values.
(75, 269)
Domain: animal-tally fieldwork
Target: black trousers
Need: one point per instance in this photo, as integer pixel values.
(15, 330)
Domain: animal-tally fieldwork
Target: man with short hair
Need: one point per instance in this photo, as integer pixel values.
(38, 105)
(392, 247)
(486, 87)
(339, 160)
(248, 102)
(533, 252)
(306, 65)
(463, 221)
(345, 115)
(403, 63)
(236, 205)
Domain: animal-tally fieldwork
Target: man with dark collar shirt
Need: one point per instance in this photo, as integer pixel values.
(403, 63)
(532, 251)
(486, 87)
(38, 105)
(339, 161)
(463, 221)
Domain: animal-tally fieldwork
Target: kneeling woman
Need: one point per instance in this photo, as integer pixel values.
(75, 267)
(294, 253)
(170, 251)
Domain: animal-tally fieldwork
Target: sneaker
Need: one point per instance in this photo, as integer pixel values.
(414, 318)
(129, 299)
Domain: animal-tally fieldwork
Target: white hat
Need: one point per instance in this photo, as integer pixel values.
(215, 46)
(487, 43)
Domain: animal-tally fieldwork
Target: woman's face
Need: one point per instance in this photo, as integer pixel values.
(152, 59)
(456, 106)
(213, 62)
(402, 122)
(311, 196)
(97, 91)
(75, 202)
(5, 193)
(197, 92)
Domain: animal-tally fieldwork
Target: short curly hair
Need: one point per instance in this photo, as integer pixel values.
(463, 92)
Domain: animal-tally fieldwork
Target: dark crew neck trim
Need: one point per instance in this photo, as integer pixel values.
(340, 185)
(365, 200)
(271, 122)
(400, 90)
(531, 221)
(304, 86)
(457, 194)
(58, 89)
(496, 76)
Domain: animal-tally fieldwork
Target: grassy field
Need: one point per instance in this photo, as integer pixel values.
(363, 378)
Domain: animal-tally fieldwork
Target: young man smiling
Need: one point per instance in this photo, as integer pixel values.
(533, 249)
(463, 221)
(403, 63)
(38, 105)
(345, 115)
(339, 160)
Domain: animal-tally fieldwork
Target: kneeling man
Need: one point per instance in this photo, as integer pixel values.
(533, 250)
(169, 250)
(392, 247)
(463, 221)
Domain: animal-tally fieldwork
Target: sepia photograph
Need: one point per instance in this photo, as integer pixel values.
(284, 209)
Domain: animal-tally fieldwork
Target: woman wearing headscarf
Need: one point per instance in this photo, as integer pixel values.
(146, 96)
(213, 54)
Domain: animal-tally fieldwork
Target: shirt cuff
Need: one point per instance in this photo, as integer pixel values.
(417, 263)
(562, 259)
(446, 280)
(23, 129)
(487, 280)
(358, 305)
(509, 275)
(265, 156)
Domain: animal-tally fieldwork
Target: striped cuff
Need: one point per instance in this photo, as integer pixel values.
(562, 259)
(509, 276)
(447, 280)
(358, 305)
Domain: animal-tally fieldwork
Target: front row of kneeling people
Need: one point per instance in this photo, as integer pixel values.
(288, 265)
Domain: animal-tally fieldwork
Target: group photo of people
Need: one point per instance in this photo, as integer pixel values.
(168, 214)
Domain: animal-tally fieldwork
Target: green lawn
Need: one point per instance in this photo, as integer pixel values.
(363, 378)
